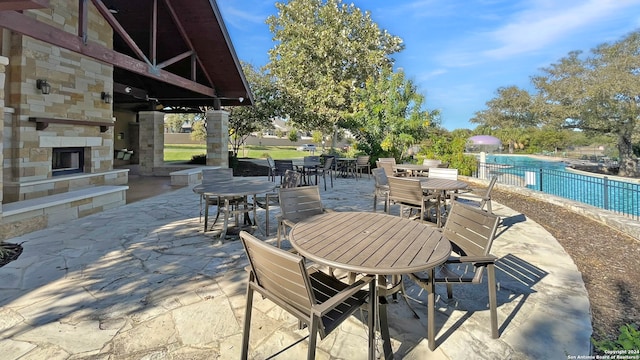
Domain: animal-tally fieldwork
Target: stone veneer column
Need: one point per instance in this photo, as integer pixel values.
(217, 138)
(3, 64)
(151, 150)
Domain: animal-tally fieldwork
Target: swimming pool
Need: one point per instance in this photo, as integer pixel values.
(552, 177)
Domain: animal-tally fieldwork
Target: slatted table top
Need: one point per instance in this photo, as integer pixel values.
(370, 243)
(442, 184)
(237, 186)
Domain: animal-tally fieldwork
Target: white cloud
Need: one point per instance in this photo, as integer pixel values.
(548, 22)
(240, 19)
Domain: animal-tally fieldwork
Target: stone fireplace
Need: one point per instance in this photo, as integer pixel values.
(67, 160)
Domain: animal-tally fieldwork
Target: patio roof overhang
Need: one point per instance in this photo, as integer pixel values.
(166, 53)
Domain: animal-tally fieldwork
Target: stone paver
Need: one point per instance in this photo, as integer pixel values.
(144, 282)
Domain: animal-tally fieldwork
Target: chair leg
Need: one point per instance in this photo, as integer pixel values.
(491, 277)
(375, 200)
(313, 335)
(431, 313)
(279, 239)
(247, 322)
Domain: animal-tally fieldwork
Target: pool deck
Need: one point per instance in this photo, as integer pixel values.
(144, 282)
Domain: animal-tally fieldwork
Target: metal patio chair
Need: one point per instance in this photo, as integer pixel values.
(471, 232)
(316, 299)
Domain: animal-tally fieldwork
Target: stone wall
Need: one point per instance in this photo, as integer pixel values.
(76, 84)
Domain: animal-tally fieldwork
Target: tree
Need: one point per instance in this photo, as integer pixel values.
(173, 122)
(507, 114)
(244, 120)
(388, 117)
(599, 94)
(198, 131)
(324, 51)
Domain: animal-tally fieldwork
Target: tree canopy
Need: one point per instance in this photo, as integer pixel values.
(324, 51)
(598, 94)
(244, 120)
(387, 115)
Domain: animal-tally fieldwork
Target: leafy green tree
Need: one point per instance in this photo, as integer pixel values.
(324, 51)
(198, 131)
(507, 114)
(293, 135)
(244, 120)
(597, 94)
(388, 117)
(173, 122)
(449, 148)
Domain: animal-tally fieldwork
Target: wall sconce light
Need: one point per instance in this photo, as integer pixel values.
(106, 97)
(43, 86)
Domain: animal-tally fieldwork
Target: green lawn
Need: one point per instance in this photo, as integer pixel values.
(184, 152)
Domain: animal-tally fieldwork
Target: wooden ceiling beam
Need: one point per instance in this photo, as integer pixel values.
(29, 26)
(115, 25)
(23, 4)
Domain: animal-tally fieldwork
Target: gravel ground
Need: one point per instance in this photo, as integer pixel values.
(608, 259)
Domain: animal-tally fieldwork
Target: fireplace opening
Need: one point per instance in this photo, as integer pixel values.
(67, 161)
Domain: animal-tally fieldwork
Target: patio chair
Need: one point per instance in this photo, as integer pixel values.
(407, 192)
(210, 176)
(471, 232)
(381, 188)
(478, 200)
(297, 204)
(431, 162)
(391, 160)
(282, 166)
(272, 169)
(325, 169)
(443, 173)
(291, 179)
(316, 299)
(387, 166)
(362, 162)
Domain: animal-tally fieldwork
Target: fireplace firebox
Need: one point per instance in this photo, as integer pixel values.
(67, 161)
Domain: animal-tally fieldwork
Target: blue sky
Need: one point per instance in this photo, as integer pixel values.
(460, 52)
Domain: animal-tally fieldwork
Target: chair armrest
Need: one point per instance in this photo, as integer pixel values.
(487, 259)
(332, 302)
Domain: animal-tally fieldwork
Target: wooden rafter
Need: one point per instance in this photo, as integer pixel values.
(29, 26)
(23, 4)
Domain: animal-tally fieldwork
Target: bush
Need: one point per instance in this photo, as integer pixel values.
(628, 339)
(198, 159)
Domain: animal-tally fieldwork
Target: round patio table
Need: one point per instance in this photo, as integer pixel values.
(376, 244)
(439, 187)
(235, 187)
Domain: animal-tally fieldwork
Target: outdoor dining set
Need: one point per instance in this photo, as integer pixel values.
(359, 258)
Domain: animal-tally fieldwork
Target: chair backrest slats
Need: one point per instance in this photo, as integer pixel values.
(281, 273)
(300, 203)
(443, 173)
(471, 229)
(431, 162)
(284, 165)
(391, 160)
(291, 179)
(387, 166)
(380, 177)
(405, 190)
(362, 160)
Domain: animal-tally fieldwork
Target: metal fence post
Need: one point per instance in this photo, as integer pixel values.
(605, 196)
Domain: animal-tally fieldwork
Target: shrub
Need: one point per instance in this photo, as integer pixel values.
(628, 339)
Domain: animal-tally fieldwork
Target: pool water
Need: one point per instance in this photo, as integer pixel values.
(551, 177)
